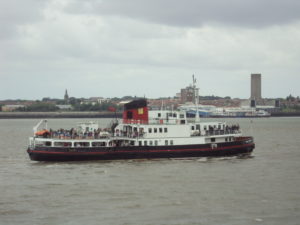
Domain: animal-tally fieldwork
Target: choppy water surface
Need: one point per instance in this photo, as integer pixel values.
(262, 189)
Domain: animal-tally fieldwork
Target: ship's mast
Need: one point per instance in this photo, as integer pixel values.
(196, 96)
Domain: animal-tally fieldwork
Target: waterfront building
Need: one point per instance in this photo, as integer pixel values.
(189, 94)
(94, 101)
(65, 107)
(256, 87)
(11, 108)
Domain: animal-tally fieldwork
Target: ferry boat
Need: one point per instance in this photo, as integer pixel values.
(142, 133)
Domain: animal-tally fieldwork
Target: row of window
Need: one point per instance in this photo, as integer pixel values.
(158, 130)
(197, 127)
(155, 143)
(226, 139)
(205, 127)
(69, 144)
(171, 115)
(98, 144)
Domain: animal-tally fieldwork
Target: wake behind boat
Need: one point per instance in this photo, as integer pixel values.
(141, 134)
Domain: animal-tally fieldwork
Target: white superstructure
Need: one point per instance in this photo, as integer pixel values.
(173, 128)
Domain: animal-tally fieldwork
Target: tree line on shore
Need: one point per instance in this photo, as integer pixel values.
(290, 104)
(51, 107)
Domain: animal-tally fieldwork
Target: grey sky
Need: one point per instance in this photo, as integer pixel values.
(191, 13)
(135, 47)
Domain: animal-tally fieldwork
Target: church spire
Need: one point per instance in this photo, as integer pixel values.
(66, 98)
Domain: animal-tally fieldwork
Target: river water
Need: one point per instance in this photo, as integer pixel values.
(261, 189)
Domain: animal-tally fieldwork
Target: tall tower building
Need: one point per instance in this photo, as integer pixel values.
(66, 97)
(187, 94)
(256, 87)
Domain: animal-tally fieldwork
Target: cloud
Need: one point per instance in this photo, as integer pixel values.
(101, 48)
(195, 13)
(15, 13)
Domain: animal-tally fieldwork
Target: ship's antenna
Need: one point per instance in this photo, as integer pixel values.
(195, 89)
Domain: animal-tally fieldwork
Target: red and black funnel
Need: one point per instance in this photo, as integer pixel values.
(136, 111)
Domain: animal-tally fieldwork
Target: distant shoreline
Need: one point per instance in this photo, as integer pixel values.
(285, 114)
(43, 115)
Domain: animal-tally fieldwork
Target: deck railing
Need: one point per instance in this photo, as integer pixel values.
(215, 132)
(130, 134)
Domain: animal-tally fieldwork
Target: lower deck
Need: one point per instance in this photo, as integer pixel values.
(238, 146)
(128, 141)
